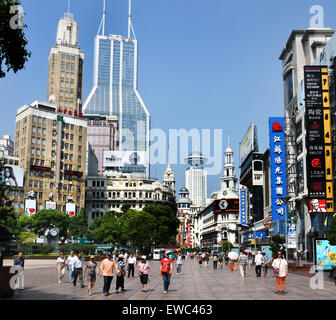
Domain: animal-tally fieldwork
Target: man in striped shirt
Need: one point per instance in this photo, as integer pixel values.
(242, 261)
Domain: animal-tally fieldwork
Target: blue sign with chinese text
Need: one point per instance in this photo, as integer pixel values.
(243, 205)
(278, 167)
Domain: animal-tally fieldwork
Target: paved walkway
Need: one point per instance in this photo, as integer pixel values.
(194, 284)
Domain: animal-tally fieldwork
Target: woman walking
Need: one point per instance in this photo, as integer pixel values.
(200, 261)
(120, 274)
(60, 267)
(280, 269)
(166, 271)
(92, 268)
(144, 273)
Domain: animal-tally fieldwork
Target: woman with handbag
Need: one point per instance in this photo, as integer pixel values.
(280, 270)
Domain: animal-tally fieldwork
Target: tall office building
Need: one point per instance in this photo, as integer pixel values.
(196, 178)
(115, 93)
(51, 148)
(65, 73)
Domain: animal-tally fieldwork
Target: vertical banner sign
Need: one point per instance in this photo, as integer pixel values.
(70, 209)
(318, 139)
(243, 205)
(30, 207)
(278, 167)
(189, 234)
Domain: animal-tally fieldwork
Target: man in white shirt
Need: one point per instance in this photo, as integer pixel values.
(69, 263)
(258, 263)
(77, 268)
(131, 262)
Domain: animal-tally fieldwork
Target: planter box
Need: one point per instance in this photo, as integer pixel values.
(5, 289)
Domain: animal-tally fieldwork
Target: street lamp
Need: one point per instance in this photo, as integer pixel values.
(286, 199)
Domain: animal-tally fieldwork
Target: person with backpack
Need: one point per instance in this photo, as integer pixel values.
(165, 271)
(280, 270)
(264, 262)
(120, 274)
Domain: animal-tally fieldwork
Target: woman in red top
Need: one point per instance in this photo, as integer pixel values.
(165, 271)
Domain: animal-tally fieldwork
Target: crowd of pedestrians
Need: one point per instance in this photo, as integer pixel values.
(115, 266)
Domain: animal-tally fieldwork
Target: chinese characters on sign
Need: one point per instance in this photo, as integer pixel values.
(278, 167)
(243, 205)
(318, 138)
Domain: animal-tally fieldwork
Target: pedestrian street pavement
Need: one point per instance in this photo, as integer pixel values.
(195, 283)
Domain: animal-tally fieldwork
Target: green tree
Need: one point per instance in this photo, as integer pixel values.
(332, 232)
(226, 246)
(13, 43)
(44, 219)
(138, 226)
(165, 224)
(276, 244)
(78, 226)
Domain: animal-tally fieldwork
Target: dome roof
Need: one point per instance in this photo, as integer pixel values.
(195, 158)
(184, 189)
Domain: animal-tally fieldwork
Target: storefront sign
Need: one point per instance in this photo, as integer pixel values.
(318, 138)
(278, 167)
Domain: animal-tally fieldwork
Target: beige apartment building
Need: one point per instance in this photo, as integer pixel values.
(65, 72)
(51, 148)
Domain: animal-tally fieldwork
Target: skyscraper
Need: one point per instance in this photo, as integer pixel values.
(65, 73)
(115, 93)
(196, 178)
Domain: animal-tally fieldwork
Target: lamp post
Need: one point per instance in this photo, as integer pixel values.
(286, 199)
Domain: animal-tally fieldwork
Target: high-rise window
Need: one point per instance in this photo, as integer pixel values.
(289, 86)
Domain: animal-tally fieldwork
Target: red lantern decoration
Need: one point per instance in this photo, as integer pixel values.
(59, 109)
(75, 113)
(65, 111)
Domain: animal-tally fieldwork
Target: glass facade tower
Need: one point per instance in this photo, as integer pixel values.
(115, 92)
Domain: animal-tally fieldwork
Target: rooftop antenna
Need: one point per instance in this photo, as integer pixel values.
(102, 23)
(130, 25)
(228, 139)
(69, 1)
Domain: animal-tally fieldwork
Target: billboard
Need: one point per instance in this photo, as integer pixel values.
(243, 205)
(317, 205)
(318, 137)
(188, 234)
(325, 254)
(13, 176)
(50, 205)
(70, 209)
(226, 205)
(249, 143)
(125, 158)
(30, 206)
(278, 167)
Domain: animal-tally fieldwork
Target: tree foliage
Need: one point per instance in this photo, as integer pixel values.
(226, 246)
(332, 232)
(13, 43)
(276, 244)
(152, 225)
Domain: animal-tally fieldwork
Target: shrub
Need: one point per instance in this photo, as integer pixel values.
(86, 249)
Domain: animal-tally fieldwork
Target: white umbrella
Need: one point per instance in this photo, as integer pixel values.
(233, 255)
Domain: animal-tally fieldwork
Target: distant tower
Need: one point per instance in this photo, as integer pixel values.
(229, 179)
(65, 73)
(196, 178)
(169, 178)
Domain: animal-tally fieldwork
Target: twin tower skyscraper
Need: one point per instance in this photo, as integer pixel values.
(114, 99)
(115, 96)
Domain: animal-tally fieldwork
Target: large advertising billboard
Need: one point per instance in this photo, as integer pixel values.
(124, 159)
(30, 206)
(226, 205)
(243, 205)
(249, 143)
(318, 138)
(13, 176)
(325, 255)
(278, 167)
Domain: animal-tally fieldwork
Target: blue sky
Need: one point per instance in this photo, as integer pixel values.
(202, 64)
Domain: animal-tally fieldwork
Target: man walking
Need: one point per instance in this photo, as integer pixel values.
(69, 263)
(242, 261)
(19, 263)
(265, 262)
(107, 267)
(77, 269)
(131, 262)
(258, 263)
